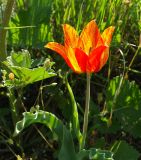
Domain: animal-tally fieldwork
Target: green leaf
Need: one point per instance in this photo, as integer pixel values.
(67, 151)
(95, 154)
(26, 76)
(37, 62)
(20, 63)
(74, 114)
(46, 118)
(21, 59)
(124, 100)
(128, 94)
(124, 151)
(83, 154)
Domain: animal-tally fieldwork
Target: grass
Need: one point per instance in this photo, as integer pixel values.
(45, 18)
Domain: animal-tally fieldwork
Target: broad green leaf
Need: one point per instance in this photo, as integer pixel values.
(20, 63)
(21, 59)
(67, 151)
(124, 151)
(74, 114)
(46, 118)
(83, 154)
(26, 76)
(37, 62)
(128, 94)
(95, 154)
(124, 99)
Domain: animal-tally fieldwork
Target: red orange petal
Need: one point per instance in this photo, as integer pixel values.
(58, 48)
(61, 50)
(107, 35)
(104, 57)
(82, 59)
(90, 36)
(72, 58)
(94, 59)
(70, 36)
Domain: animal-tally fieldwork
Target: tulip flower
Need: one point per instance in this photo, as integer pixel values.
(85, 53)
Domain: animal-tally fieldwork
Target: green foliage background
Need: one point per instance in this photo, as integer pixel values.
(115, 113)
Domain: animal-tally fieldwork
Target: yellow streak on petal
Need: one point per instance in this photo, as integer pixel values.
(104, 57)
(90, 36)
(107, 35)
(73, 60)
(70, 36)
(57, 47)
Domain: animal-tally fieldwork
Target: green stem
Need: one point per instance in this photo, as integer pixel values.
(126, 74)
(14, 111)
(3, 31)
(14, 104)
(86, 114)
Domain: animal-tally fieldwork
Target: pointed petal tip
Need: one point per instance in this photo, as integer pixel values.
(46, 46)
(93, 20)
(112, 28)
(107, 34)
(65, 26)
(52, 45)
